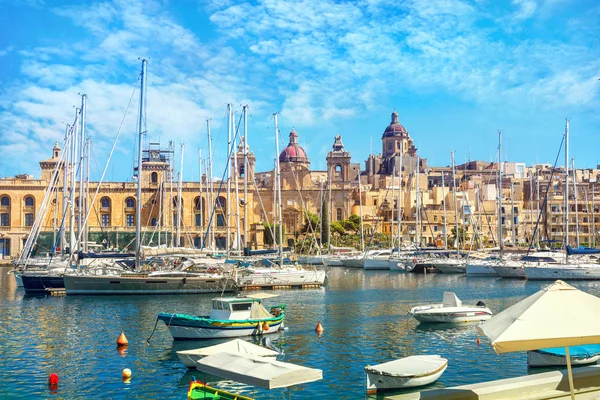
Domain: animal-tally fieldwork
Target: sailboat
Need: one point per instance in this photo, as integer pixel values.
(148, 281)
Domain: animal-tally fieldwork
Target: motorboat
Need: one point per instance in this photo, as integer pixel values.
(378, 260)
(450, 265)
(190, 357)
(480, 268)
(229, 317)
(556, 356)
(515, 268)
(405, 372)
(259, 274)
(552, 272)
(451, 311)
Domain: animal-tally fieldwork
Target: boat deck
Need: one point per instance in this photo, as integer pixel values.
(270, 286)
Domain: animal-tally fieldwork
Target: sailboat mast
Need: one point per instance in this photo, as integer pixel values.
(81, 202)
(72, 192)
(593, 218)
(238, 241)
(399, 205)
(574, 172)
(512, 214)
(245, 149)
(566, 182)
(138, 203)
(455, 202)
(531, 204)
(444, 204)
(179, 188)
(329, 209)
(228, 173)
(278, 188)
(417, 206)
(199, 205)
(211, 201)
(86, 203)
(392, 231)
(65, 203)
(362, 233)
(500, 240)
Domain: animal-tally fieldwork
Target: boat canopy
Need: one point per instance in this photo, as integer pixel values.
(410, 367)
(233, 346)
(583, 351)
(261, 295)
(257, 371)
(582, 250)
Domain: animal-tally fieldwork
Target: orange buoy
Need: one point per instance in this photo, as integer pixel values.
(319, 329)
(122, 340)
(265, 327)
(478, 341)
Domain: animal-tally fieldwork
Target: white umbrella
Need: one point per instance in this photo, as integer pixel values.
(556, 316)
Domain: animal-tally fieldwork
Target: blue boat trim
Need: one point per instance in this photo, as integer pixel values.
(583, 351)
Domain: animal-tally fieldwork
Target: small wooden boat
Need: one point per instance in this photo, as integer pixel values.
(556, 357)
(199, 390)
(451, 311)
(229, 317)
(406, 372)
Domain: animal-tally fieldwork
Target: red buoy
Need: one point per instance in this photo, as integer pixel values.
(53, 379)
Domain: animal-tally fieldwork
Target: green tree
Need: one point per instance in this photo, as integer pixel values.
(311, 223)
(462, 236)
(268, 238)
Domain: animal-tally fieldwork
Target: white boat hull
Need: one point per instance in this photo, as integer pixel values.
(480, 270)
(191, 333)
(289, 277)
(353, 262)
(377, 382)
(510, 272)
(376, 264)
(311, 260)
(582, 272)
(451, 268)
(537, 359)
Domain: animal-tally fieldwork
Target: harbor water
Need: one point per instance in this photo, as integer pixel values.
(364, 314)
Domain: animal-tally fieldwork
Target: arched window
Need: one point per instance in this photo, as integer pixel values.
(153, 221)
(339, 214)
(130, 202)
(77, 201)
(338, 171)
(105, 202)
(175, 199)
(154, 177)
(198, 205)
(5, 201)
(29, 201)
(221, 202)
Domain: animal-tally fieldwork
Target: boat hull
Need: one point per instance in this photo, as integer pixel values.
(376, 264)
(40, 283)
(110, 285)
(275, 277)
(564, 273)
(379, 382)
(537, 359)
(453, 318)
(451, 268)
(510, 272)
(186, 329)
(198, 390)
(480, 270)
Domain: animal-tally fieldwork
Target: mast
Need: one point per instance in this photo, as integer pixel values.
(238, 240)
(593, 219)
(65, 201)
(399, 206)
(566, 182)
(444, 204)
(531, 204)
(392, 222)
(245, 149)
(179, 188)
(512, 214)
(574, 172)
(500, 240)
(329, 209)
(278, 188)
(80, 212)
(362, 234)
(417, 207)
(199, 205)
(72, 192)
(138, 203)
(211, 201)
(228, 173)
(539, 208)
(86, 203)
(455, 203)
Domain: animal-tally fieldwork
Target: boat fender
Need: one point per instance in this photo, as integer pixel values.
(415, 259)
(265, 326)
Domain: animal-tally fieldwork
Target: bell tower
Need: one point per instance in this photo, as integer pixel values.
(338, 162)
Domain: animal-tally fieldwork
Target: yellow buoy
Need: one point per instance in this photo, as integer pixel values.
(122, 340)
(126, 374)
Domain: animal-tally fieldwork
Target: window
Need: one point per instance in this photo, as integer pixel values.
(220, 220)
(435, 228)
(105, 219)
(375, 202)
(175, 218)
(220, 202)
(130, 202)
(241, 306)
(5, 201)
(154, 177)
(105, 202)
(242, 170)
(29, 219)
(198, 220)
(29, 202)
(338, 171)
(339, 214)
(153, 222)
(129, 219)
(198, 242)
(4, 219)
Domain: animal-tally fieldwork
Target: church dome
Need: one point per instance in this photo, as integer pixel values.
(293, 152)
(394, 128)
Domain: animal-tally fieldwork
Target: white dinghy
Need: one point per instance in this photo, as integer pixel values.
(238, 346)
(406, 372)
(451, 311)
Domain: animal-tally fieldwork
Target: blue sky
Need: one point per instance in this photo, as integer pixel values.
(455, 70)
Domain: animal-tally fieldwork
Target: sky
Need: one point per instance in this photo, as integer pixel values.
(456, 71)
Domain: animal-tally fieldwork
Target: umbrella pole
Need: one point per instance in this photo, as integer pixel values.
(570, 372)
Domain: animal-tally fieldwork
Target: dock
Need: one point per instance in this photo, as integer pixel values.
(542, 386)
(56, 291)
(278, 286)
